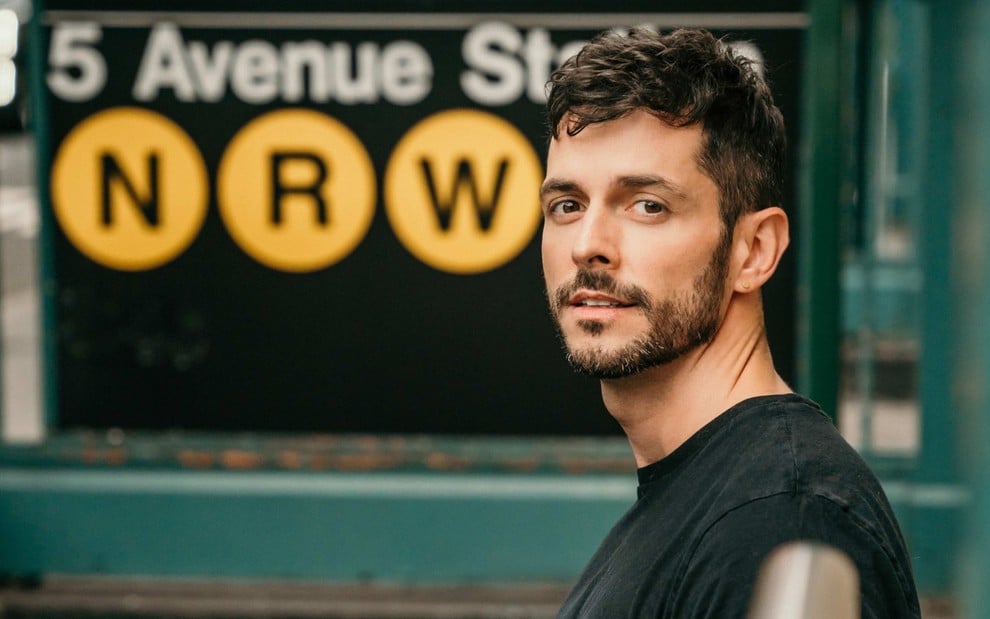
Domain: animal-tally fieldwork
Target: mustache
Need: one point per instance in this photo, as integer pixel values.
(602, 282)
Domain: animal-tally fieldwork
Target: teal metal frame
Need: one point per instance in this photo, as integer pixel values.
(822, 181)
(46, 253)
(840, 118)
(969, 223)
(371, 527)
(936, 527)
(383, 509)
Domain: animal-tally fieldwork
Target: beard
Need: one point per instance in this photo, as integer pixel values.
(677, 325)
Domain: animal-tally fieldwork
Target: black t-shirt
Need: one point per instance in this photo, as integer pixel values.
(769, 470)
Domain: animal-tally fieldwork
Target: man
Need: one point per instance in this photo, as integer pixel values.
(661, 226)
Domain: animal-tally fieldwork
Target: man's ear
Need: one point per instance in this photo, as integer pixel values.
(761, 238)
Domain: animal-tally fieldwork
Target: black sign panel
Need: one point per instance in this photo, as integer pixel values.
(324, 221)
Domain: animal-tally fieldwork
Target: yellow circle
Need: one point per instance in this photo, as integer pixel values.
(129, 188)
(296, 190)
(461, 191)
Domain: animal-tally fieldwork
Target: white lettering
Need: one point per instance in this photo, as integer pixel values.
(359, 88)
(210, 70)
(254, 77)
(567, 50)
(407, 73)
(496, 76)
(78, 71)
(163, 66)
(256, 70)
(504, 64)
(749, 50)
(296, 59)
(538, 54)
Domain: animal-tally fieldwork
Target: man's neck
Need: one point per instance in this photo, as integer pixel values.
(662, 407)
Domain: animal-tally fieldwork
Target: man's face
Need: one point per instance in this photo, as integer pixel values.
(634, 254)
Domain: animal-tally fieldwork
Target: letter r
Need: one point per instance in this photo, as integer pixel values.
(281, 188)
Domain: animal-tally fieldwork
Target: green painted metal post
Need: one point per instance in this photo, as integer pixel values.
(46, 253)
(933, 528)
(822, 181)
(971, 239)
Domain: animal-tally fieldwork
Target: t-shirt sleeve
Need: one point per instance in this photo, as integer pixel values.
(720, 575)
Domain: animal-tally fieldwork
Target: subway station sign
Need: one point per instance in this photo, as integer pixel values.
(321, 221)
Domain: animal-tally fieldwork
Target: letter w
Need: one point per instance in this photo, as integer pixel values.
(465, 176)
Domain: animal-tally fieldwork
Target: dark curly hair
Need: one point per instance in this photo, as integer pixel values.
(684, 77)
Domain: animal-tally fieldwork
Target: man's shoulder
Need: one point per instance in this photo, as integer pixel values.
(789, 441)
(772, 458)
(793, 477)
(770, 470)
(786, 447)
(821, 461)
(779, 443)
(727, 556)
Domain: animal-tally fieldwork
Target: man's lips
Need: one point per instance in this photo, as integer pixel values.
(593, 299)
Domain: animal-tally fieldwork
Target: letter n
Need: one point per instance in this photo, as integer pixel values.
(111, 174)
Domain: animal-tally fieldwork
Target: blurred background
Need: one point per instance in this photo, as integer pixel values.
(273, 331)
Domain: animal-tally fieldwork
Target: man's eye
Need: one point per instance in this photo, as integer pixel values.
(649, 207)
(563, 207)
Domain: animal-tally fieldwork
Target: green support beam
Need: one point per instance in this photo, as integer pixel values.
(823, 179)
(970, 240)
(936, 533)
(37, 52)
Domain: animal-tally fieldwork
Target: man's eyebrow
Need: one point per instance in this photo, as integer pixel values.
(557, 185)
(644, 181)
(633, 181)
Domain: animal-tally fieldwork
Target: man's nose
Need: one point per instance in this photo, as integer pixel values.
(597, 241)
